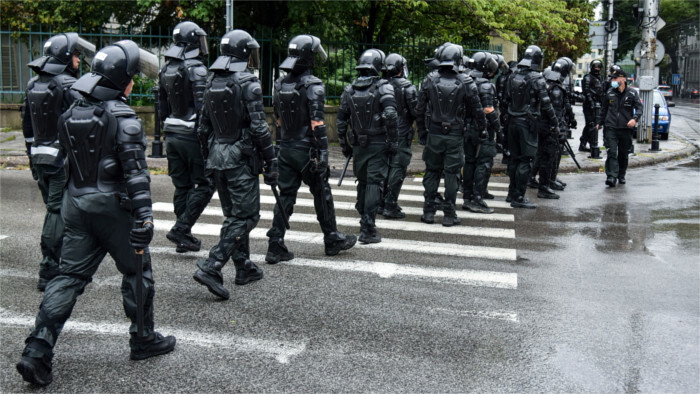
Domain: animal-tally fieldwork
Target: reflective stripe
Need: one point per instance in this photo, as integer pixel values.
(29, 140)
(44, 150)
(179, 122)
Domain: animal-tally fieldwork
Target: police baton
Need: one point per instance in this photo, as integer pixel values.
(281, 208)
(345, 169)
(139, 287)
(571, 153)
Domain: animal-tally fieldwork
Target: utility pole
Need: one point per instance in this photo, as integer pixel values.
(647, 68)
(229, 15)
(609, 54)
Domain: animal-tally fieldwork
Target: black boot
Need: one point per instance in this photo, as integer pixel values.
(150, 346)
(428, 217)
(546, 192)
(488, 196)
(181, 236)
(556, 186)
(393, 211)
(611, 181)
(368, 235)
(213, 282)
(450, 219)
(559, 181)
(479, 206)
(522, 202)
(334, 247)
(277, 251)
(509, 198)
(622, 180)
(36, 371)
(582, 148)
(595, 153)
(532, 183)
(247, 272)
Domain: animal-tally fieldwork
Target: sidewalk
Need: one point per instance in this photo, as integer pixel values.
(12, 154)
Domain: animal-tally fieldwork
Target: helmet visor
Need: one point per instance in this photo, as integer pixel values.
(254, 59)
(322, 53)
(404, 71)
(203, 45)
(86, 48)
(148, 64)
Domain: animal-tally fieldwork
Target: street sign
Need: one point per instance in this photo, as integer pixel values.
(676, 79)
(660, 52)
(598, 37)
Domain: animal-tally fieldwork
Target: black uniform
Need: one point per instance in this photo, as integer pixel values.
(182, 81)
(564, 112)
(237, 138)
(617, 110)
(48, 95)
(592, 87)
(531, 113)
(450, 97)
(106, 209)
(368, 105)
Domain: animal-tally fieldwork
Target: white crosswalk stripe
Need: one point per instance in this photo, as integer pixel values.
(381, 223)
(492, 183)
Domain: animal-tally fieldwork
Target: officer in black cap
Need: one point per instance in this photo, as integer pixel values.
(619, 115)
(183, 79)
(106, 209)
(48, 95)
(302, 144)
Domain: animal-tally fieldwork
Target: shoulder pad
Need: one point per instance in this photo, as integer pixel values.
(197, 71)
(31, 82)
(244, 77)
(252, 90)
(193, 63)
(465, 78)
(311, 80)
(119, 109)
(403, 82)
(485, 86)
(349, 89)
(540, 83)
(316, 91)
(130, 130)
(65, 80)
(385, 88)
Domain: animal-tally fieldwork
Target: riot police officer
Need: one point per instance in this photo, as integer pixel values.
(234, 135)
(368, 105)
(556, 78)
(531, 113)
(302, 144)
(504, 118)
(450, 97)
(48, 95)
(480, 145)
(619, 114)
(592, 87)
(106, 208)
(406, 99)
(182, 81)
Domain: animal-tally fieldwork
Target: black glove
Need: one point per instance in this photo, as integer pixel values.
(347, 150)
(392, 147)
(271, 173)
(484, 135)
(140, 237)
(423, 138)
(573, 124)
(321, 162)
(35, 175)
(562, 137)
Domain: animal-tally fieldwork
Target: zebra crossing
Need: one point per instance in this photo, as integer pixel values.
(488, 239)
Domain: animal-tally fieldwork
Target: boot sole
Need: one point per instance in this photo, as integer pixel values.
(210, 288)
(143, 356)
(547, 196)
(451, 224)
(518, 205)
(427, 221)
(274, 259)
(370, 241)
(29, 374)
(249, 279)
(334, 251)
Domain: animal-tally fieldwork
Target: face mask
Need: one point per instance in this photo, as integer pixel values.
(615, 84)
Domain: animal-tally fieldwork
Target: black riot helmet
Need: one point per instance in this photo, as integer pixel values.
(451, 56)
(486, 63)
(560, 70)
(434, 62)
(371, 62)
(502, 65)
(467, 64)
(596, 66)
(532, 58)
(58, 53)
(395, 64)
(190, 42)
(239, 51)
(114, 67)
(512, 65)
(302, 53)
(614, 69)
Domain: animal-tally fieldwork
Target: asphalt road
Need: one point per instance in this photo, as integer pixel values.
(596, 292)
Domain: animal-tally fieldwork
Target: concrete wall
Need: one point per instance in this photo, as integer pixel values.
(10, 116)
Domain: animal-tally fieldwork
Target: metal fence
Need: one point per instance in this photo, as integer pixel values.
(19, 48)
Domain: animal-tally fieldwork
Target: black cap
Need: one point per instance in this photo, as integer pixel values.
(618, 73)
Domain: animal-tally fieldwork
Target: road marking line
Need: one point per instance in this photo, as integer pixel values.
(282, 351)
(381, 223)
(423, 247)
(3, 237)
(402, 197)
(499, 315)
(503, 185)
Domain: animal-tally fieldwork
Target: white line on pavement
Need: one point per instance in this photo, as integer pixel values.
(282, 351)
(381, 223)
(499, 315)
(3, 237)
(503, 185)
(434, 248)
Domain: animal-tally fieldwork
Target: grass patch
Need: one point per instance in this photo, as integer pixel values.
(10, 138)
(5, 129)
(158, 171)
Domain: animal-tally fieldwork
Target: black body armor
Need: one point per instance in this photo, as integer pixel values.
(48, 96)
(182, 85)
(297, 101)
(224, 103)
(406, 100)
